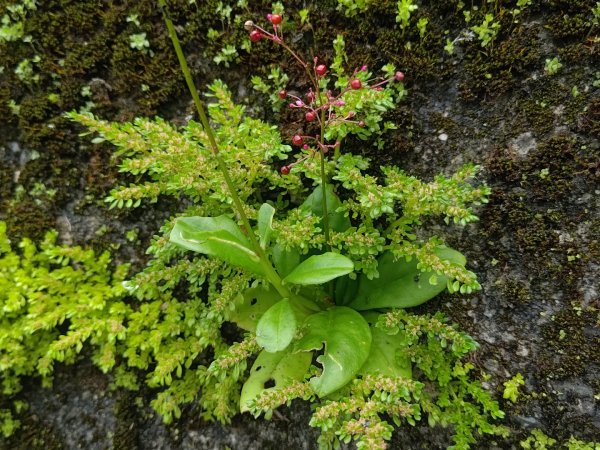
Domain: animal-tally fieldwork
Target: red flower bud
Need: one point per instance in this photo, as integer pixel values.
(255, 35)
(399, 76)
(310, 116)
(297, 139)
(355, 84)
(285, 170)
(321, 69)
(275, 19)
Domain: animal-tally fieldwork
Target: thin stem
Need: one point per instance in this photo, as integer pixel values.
(324, 183)
(315, 83)
(238, 207)
(279, 40)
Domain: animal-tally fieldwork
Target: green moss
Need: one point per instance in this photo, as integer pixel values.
(496, 71)
(570, 349)
(26, 218)
(35, 435)
(565, 26)
(515, 291)
(589, 118)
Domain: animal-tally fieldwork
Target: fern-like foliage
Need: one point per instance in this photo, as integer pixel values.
(177, 163)
(53, 300)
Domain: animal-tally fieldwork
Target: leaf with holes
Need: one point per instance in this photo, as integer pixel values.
(250, 305)
(216, 236)
(273, 371)
(319, 269)
(276, 327)
(401, 284)
(347, 340)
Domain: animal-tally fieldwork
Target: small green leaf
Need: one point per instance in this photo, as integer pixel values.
(347, 340)
(285, 260)
(511, 388)
(281, 368)
(319, 269)
(401, 284)
(216, 236)
(265, 223)
(250, 305)
(277, 326)
(314, 203)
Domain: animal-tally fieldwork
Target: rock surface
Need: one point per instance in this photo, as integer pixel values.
(535, 248)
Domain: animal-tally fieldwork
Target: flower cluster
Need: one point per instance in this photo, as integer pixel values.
(321, 106)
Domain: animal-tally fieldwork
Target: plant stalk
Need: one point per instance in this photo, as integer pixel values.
(238, 207)
(315, 83)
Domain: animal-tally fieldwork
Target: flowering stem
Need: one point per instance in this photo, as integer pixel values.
(321, 116)
(237, 206)
(324, 182)
(279, 40)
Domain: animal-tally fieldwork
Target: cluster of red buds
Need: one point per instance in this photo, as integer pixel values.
(316, 107)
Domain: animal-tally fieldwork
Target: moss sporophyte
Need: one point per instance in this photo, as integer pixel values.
(319, 279)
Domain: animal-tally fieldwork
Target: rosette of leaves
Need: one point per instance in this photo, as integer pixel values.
(312, 305)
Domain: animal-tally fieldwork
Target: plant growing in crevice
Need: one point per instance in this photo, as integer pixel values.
(316, 280)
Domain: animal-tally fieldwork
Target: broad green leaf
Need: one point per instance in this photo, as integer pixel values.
(285, 260)
(401, 284)
(281, 369)
(345, 290)
(250, 305)
(276, 327)
(314, 203)
(216, 236)
(319, 269)
(387, 356)
(265, 223)
(347, 340)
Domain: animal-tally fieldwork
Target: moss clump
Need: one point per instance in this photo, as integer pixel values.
(589, 119)
(565, 26)
(571, 350)
(496, 71)
(26, 218)
(568, 169)
(515, 291)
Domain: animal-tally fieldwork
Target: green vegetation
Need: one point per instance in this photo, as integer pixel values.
(330, 262)
(511, 387)
(552, 66)
(540, 441)
(180, 309)
(53, 300)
